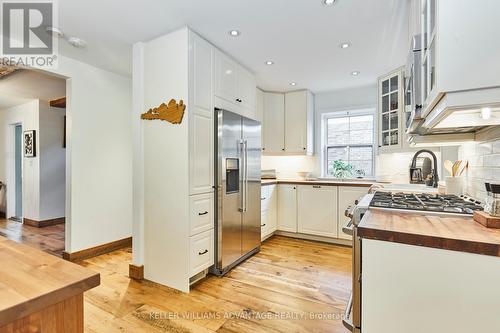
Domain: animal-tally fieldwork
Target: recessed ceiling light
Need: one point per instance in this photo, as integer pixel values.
(269, 62)
(56, 32)
(293, 83)
(329, 2)
(234, 33)
(77, 42)
(345, 45)
(355, 73)
(486, 113)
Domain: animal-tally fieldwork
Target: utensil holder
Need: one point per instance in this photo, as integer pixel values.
(454, 185)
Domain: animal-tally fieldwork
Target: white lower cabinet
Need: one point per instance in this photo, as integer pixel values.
(201, 247)
(317, 210)
(347, 197)
(287, 208)
(269, 219)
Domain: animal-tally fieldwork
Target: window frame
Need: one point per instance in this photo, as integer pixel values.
(325, 145)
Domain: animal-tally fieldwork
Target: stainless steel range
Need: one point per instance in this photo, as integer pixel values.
(422, 202)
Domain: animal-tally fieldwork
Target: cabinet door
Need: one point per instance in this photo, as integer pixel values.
(274, 123)
(246, 90)
(391, 110)
(226, 77)
(201, 171)
(347, 196)
(272, 210)
(317, 210)
(296, 122)
(287, 208)
(259, 107)
(201, 158)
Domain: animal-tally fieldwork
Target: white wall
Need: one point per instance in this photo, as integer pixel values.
(98, 155)
(52, 162)
(26, 115)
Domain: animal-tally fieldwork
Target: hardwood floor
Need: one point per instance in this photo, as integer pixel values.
(291, 286)
(49, 239)
(304, 283)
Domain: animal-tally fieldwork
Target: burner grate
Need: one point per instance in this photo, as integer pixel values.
(426, 202)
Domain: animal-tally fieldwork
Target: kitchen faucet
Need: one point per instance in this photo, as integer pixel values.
(435, 177)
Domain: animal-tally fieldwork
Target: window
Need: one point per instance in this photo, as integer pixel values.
(349, 138)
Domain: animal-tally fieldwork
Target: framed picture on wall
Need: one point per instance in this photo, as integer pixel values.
(30, 143)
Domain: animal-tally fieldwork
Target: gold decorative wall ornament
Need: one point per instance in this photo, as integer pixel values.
(172, 112)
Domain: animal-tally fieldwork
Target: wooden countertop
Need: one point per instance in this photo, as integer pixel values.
(32, 280)
(317, 182)
(437, 231)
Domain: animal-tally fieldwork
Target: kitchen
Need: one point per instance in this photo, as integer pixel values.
(279, 189)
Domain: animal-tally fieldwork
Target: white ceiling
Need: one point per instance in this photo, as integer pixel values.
(302, 37)
(24, 85)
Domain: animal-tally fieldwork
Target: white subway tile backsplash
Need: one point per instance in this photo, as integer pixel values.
(492, 160)
(484, 166)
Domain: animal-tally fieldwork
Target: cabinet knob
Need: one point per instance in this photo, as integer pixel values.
(304, 148)
(283, 149)
(263, 148)
(263, 225)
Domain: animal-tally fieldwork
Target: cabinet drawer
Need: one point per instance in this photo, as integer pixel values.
(202, 251)
(201, 217)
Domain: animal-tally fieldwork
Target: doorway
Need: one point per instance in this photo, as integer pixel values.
(18, 170)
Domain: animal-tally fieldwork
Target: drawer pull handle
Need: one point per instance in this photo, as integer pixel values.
(263, 225)
(202, 253)
(262, 199)
(316, 186)
(204, 213)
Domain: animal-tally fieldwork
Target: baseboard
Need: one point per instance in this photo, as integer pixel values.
(45, 223)
(336, 241)
(136, 272)
(97, 250)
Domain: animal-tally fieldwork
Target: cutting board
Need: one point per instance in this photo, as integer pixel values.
(487, 220)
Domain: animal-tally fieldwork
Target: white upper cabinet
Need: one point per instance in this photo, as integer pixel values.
(246, 89)
(274, 123)
(259, 106)
(391, 111)
(461, 43)
(226, 77)
(201, 116)
(234, 86)
(299, 122)
(288, 123)
(317, 210)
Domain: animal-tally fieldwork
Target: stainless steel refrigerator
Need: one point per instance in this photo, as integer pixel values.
(238, 185)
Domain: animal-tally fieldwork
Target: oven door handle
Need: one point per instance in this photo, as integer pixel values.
(348, 228)
(347, 315)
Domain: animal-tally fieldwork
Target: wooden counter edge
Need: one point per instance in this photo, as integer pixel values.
(315, 182)
(436, 242)
(37, 304)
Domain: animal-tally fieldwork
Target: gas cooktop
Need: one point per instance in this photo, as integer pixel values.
(426, 202)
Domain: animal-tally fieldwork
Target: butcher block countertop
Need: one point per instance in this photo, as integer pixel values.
(32, 280)
(454, 233)
(321, 182)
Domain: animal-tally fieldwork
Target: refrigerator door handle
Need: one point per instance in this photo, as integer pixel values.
(246, 175)
(242, 176)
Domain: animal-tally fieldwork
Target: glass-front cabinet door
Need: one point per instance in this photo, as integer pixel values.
(391, 109)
